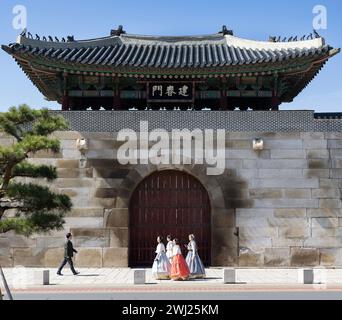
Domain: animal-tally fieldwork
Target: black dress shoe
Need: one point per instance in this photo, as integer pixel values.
(59, 273)
(75, 274)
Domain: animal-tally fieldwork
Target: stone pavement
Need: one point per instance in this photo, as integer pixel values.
(21, 278)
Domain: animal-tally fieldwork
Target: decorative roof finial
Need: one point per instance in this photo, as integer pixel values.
(37, 37)
(117, 32)
(70, 39)
(272, 39)
(50, 39)
(29, 35)
(317, 35)
(23, 34)
(225, 31)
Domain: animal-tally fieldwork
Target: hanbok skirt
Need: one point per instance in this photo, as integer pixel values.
(161, 269)
(179, 268)
(196, 266)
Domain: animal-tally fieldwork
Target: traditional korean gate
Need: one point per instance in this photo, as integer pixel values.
(168, 202)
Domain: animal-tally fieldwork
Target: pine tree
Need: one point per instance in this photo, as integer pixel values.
(27, 207)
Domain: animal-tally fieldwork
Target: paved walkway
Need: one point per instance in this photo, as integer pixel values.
(26, 278)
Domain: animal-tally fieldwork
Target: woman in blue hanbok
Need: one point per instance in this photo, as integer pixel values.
(193, 260)
(161, 266)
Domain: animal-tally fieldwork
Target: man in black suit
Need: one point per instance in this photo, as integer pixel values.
(68, 254)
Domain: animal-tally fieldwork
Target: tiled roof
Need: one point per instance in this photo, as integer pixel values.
(168, 52)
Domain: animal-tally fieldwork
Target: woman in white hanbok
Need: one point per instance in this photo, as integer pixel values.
(161, 266)
(169, 248)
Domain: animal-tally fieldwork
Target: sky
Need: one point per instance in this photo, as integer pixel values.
(249, 19)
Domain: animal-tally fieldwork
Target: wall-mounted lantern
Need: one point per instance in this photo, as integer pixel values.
(258, 144)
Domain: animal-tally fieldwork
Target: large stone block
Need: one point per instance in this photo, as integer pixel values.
(107, 183)
(325, 193)
(85, 237)
(86, 212)
(84, 222)
(246, 213)
(325, 222)
(248, 258)
(301, 257)
(283, 144)
(319, 164)
(250, 233)
(53, 257)
(116, 218)
(265, 193)
(6, 257)
(288, 222)
(223, 218)
(336, 173)
(288, 154)
(224, 256)
(89, 257)
(286, 203)
(324, 242)
(331, 257)
(312, 135)
(119, 237)
(318, 154)
(68, 164)
(280, 173)
(105, 193)
(283, 242)
(261, 222)
(335, 144)
(256, 245)
(239, 144)
(297, 194)
(225, 237)
(316, 173)
(115, 257)
(71, 154)
(65, 183)
(324, 213)
(275, 164)
(330, 203)
(330, 183)
(299, 231)
(337, 163)
(284, 183)
(13, 240)
(277, 257)
(38, 257)
(290, 213)
(50, 242)
(315, 144)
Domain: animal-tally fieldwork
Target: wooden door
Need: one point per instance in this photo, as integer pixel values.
(168, 202)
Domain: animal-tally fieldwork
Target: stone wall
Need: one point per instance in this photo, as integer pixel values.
(277, 207)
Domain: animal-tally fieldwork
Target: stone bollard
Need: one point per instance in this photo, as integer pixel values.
(306, 276)
(139, 276)
(229, 275)
(46, 277)
(41, 277)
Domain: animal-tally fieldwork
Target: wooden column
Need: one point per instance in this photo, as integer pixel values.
(65, 100)
(223, 99)
(116, 98)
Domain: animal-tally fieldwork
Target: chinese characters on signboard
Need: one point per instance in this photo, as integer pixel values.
(170, 91)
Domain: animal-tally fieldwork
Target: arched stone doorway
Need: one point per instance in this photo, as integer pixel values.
(168, 202)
